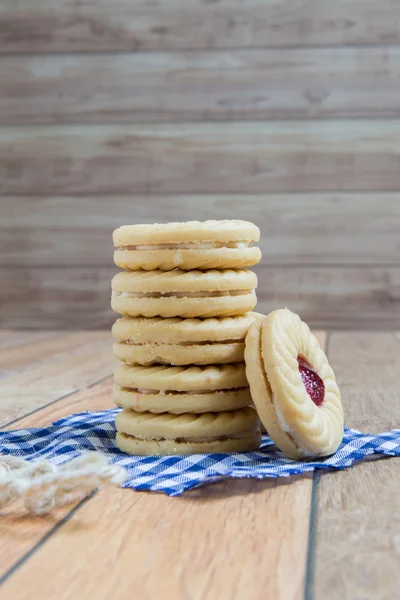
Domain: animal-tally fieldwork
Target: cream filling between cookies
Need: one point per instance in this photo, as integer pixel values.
(177, 393)
(215, 294)
(189, 246)
(198, 440)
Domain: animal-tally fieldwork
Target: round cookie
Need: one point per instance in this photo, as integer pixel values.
(180, 390)
(149, 434)
(184, 294)
(176, 341)
(170, 354)
(180, 403)
(293, 386)
(190, 245)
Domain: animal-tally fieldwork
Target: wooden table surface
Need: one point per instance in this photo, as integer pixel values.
(329, 536)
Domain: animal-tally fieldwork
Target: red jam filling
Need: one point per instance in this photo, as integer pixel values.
(312, 381)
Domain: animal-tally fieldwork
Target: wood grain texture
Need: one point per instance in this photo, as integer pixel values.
(76, 371)
(301, 229)
(32, 389)
(56, 298)
(12, 338)
(359, 509)
(268, 510)
(201, 158)
(39, 351)
(20, 532)
(238, 528)
(343, 297)
(98, 25)
(97, 397)
(6, 373)
(190, 86)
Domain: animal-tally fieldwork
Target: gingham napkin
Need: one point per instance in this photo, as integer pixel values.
(69, 437)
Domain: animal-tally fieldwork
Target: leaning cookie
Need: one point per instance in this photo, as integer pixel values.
(192, 245)
(293, 386)
(179, 390)
(178, 341)
(184, 293)
(149, 434)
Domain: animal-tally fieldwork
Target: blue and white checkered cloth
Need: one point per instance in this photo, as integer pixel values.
(69, 437)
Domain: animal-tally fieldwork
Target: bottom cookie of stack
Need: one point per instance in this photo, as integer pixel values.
(147, 433)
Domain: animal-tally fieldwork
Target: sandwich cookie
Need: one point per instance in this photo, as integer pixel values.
(179, 390)
(293, 386)
(184, 293)
(176, 341)
(149, 434)
(192, 245)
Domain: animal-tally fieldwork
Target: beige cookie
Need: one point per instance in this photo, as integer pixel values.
(150, 434)
(180, 402)
(178, 341)
(181, 389)
(184, 294)
(192, 245)
(293, 386)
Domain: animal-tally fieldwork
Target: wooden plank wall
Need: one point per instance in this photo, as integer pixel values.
(285, 113)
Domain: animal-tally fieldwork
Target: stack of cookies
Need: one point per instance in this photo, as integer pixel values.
(186, 297)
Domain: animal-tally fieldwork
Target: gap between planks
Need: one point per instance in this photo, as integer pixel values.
(358, 520)
(347, 298)
(250, 501)
(31, 350)
(88, 360)
(19, 532)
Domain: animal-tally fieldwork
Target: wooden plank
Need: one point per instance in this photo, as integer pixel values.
(338, 297)
(63, 356)
(76, 371)
(7, 372)
(321, 336)
(190, 86)
(36, 352)
(12, 338)
(28, 391)
(73, 298)
(15, 403)
(262, 533)
(329, 229)
(201, 158)
(97, 397)
(359, 510)
(20, 532)
(247, 521)
(98, 25)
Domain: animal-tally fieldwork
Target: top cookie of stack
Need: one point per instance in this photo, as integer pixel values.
(185, 269)
(191, 275)
(187, 246)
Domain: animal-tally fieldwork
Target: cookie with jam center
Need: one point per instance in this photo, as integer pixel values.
(293, 386)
